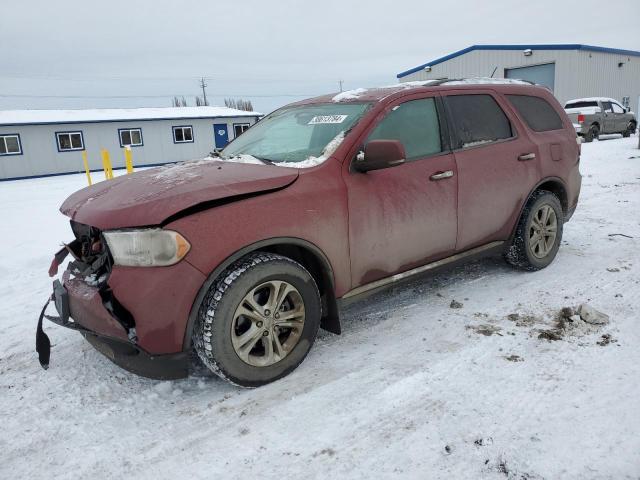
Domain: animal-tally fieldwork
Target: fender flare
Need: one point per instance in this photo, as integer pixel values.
(330, 320)
(526, 201)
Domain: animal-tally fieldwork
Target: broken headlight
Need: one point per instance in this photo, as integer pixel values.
(151, 247)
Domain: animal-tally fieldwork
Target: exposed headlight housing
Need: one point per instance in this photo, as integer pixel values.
(149, 247)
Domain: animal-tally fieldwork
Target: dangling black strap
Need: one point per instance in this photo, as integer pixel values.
(43, 344)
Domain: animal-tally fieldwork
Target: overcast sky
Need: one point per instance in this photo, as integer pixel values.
(271, 52)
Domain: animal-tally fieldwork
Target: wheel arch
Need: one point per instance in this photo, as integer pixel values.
(554, 185)
(302, 251)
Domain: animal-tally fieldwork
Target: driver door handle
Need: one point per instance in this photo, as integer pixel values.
(442, 175)
(527, 156)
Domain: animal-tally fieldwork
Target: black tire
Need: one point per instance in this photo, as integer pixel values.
(631, 129)
(519, 253)
(593, 133)
(213, 329)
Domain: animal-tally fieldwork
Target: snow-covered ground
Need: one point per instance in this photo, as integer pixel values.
(412, 389)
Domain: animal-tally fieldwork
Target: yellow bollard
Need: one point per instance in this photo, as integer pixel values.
(86, 166)
(128, 160)
(106, 164)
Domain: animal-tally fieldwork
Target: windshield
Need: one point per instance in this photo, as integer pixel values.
(306, 134)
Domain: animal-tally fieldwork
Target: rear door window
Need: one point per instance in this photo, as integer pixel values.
(476, 120)
(536, 112)
(415, 125)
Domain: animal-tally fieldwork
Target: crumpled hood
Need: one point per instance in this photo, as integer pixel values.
(151, 196)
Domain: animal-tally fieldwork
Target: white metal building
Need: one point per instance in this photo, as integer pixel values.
(569, 70)
(50, 142)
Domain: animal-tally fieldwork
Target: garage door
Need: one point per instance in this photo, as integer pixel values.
(540, 74)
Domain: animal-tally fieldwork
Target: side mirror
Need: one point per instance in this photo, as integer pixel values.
(380, 154)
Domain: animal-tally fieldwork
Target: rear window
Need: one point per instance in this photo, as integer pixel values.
(477, 119)
(581, 104)
(536, 112)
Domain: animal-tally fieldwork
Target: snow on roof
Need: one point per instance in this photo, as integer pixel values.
(27, 117)
(592, 99)
(360, 92)
(486, 81)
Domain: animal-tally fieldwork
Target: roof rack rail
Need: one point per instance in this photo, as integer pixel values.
(480, 80)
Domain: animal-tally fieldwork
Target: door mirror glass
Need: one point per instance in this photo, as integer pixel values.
(380, 154)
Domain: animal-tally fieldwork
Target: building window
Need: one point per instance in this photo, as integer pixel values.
(131, 137)
(240, 128)
(68, 141)
(10, 144)
(183, 134)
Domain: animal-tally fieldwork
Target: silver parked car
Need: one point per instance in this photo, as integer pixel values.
(593, 116)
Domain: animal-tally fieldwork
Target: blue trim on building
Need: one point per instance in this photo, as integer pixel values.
(566, 46)
(141, 144)
(70, 132)
(47, 175)
(19, 144)
(173, 132)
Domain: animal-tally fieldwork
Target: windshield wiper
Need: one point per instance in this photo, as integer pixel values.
(266, 161)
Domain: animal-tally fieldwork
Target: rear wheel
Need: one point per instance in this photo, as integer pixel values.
(593, 133)
(537, 238)
(259, 320)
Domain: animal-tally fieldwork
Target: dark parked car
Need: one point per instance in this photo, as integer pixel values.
(243, 257)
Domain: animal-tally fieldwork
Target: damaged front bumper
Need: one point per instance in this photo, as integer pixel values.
(109, 341)
(136, 316)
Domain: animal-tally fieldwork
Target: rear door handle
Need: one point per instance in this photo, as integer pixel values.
(442, 175)
(527, 156)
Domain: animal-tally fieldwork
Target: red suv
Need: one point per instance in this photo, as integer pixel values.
(244, 256)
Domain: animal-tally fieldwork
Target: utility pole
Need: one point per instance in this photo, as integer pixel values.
(204, 92)
(340, 84)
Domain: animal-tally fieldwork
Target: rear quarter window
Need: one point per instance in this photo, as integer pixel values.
(476, 119)
(537, 113)
(581, 104)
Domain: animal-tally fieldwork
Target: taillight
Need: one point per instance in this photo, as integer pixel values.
(580, 118)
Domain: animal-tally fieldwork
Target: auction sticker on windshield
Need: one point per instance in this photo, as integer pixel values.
(327, 119)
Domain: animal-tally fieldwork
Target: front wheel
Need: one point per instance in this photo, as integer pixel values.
(631, 129)
(258, 320)
(538, 234)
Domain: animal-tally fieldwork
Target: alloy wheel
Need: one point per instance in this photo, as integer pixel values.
(542, 231)
(268, 323)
